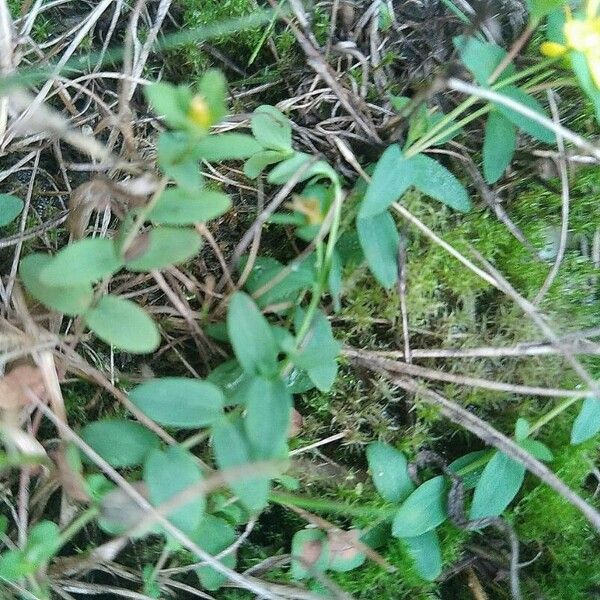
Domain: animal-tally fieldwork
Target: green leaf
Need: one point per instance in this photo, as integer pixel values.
(251, 336)
(124, 324)
(119, 442)
(288, 168)
(14, 565)
(232, 449)
(391, 178)
(43, 542)
(265, 269)
(389, 470)
(319, 352)
(233, 380)
(422, 511)
(214, 535)
(10, 208)
(433, 179)
(68, 300)
(169, 473)
(310, 553)
(272, 129)
(380, 241)
(255, 165)
(81, 262)
(178, 207)
(537, 449)
(268, 416)
(499, 484)
(533, 128)
(499, 144)
(521, 429)
(425, 551)
(175, 158)
(470, 475)
(344, 556)
(227, 146)
(170, 101)
(166, 246)
(213, 87)
(482, 58)
(587, 423)
(179, 401)
(538, 9)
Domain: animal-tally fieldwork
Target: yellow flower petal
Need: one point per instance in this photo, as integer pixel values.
(583, 35)
(199, 112)
(552, 49)
(592, 8)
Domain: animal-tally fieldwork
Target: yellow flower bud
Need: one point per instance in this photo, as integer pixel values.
(552, 49)
(199, 112)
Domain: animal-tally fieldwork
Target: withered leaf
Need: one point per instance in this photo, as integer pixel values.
(18, 384)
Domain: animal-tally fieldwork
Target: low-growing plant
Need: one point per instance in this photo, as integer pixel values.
(275, 325)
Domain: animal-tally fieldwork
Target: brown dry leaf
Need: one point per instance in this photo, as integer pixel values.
(70, 479)
(296, 424)
(22, 441)
(85, 199)
(138, 246)
(16, 387)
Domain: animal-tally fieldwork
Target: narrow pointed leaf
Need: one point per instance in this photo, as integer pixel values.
(499, 484)
(587, 423)
(380, 241)
(499, 144)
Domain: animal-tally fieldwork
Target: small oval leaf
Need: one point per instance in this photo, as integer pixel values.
(10, 208)
(251, 336)
(389, 471)
(422, 511)
(119, 442)
(71, 301)
(169, 473)
(81, 262)
(124, 324)
(587, 423)
(178, 207)
(166, 246)
(179, 401)
(232, 449)
(425, 551)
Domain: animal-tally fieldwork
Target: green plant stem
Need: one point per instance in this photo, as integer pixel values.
(77, 524)
(330, 506)
(141, 216)
(321, 283)
(557, 410)
(437, 132)
(195, 439)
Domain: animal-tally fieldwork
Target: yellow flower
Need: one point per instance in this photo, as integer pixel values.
(199, 112)
(552, 49)
(582, 35)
